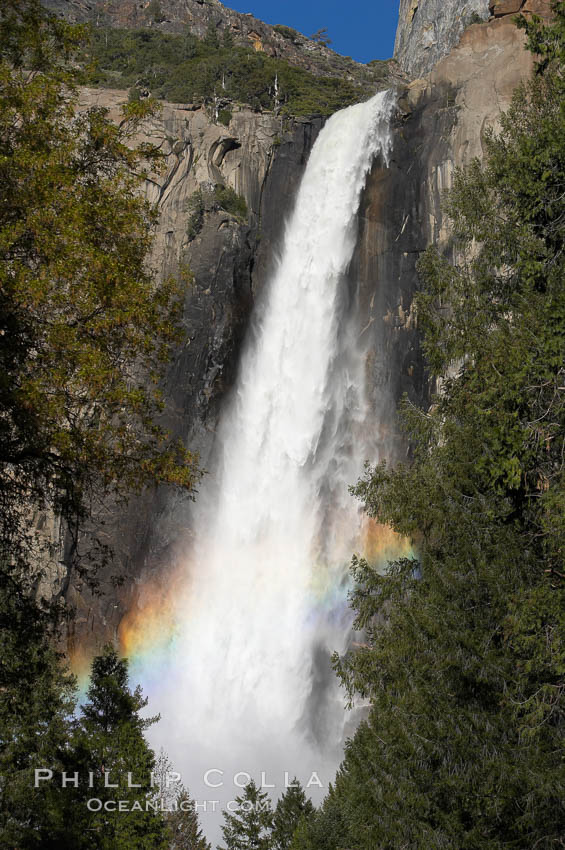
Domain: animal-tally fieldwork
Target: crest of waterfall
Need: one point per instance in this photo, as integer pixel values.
(251, 687)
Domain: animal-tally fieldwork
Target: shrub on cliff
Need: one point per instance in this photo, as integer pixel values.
(289, 32)
(228, 200)
(180, 68)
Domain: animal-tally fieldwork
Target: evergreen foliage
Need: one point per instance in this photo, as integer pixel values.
(475, 18)
(109, 742)
(224, 117)
(184, 832)
(37, 699)
(250, 826)
(103, 752)
(288, 32)
(181, 68)
(463, 657)
(292, 808)
(228, 200)
(195, 208)
(323, 829)
(155, 11)
(321, 37)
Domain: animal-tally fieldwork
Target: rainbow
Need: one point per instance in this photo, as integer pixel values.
(150, 631)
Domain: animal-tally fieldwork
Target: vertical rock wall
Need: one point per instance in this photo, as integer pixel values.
(440, 125)
(428, 29)
(262, 158)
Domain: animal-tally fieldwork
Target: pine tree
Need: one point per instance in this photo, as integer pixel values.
(212, 38)
(293, 806)
(325, 828)
(463, 656)
(302, 838)
(321, 37)
(37, 698)
(228, 41)
(111, 744)
(183, 825)
(250, 827)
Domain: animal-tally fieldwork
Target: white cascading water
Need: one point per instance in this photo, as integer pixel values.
(251, 688)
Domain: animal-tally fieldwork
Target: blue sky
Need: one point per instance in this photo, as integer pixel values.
(363, 29)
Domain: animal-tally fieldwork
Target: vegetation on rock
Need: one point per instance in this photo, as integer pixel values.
(228, 200)
(184, 69)
(288, 32)
(195, 209)
(321, 37)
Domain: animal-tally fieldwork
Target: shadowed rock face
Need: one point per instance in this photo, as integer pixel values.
(440, 125)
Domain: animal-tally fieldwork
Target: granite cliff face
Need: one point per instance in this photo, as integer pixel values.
(429, 29)
(261, 157)
(439, 124)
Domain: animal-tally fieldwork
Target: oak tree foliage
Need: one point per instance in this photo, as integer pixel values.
(85, 326)
(85, 330)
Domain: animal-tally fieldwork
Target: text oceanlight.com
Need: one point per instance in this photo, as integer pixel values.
(96, 805)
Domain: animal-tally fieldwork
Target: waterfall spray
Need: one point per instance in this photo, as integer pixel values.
(250, 687)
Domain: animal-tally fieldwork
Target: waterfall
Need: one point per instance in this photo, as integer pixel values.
(251, 688)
